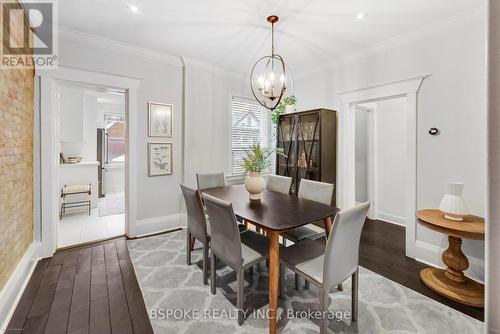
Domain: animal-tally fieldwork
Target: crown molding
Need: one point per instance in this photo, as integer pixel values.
(425, 32)
(114, 45)
(190, 62)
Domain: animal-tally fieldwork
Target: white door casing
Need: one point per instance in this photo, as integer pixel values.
(408, 89)
(49, 138)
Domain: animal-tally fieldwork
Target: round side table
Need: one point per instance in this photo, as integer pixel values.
(451, 282)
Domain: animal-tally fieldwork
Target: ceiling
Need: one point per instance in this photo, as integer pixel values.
(233, 34)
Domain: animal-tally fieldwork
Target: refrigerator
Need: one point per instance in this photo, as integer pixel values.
(101, 157)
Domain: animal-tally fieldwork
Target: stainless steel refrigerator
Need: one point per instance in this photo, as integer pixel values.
(101, 157)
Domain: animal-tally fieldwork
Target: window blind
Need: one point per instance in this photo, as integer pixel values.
(249, 124)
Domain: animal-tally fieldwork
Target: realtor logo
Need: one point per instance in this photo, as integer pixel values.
(29, 34)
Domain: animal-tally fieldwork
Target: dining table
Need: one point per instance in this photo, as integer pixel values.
(274, 213)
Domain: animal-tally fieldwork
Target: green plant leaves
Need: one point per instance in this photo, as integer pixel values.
(258, 159)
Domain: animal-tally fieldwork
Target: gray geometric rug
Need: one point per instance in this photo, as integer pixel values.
(178, 302)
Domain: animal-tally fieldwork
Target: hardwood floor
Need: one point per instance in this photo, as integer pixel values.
(90, 289)
(382, 251)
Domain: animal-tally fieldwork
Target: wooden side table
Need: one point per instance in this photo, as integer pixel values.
(451, 282)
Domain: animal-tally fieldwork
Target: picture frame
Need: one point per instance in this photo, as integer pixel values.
(160, 118)
(160, 159)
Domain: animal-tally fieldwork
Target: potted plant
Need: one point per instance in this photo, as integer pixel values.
(257, 161)
(285, 106)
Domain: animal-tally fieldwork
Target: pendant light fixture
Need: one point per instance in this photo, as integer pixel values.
(270, 78)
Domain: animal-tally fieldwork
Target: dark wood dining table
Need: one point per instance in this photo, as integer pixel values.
(275, 214)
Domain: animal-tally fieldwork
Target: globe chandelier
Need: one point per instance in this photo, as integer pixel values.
(270, 78)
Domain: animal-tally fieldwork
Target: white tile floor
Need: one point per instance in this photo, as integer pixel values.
(111, 204)
(79, 227)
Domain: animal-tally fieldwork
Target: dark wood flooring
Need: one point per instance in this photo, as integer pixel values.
(90, 289)
(382, 251)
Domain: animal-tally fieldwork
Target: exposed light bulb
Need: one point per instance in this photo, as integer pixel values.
(133, 8)
(360, 16)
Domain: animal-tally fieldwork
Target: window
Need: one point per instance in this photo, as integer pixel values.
(250, 125)
(115, 138)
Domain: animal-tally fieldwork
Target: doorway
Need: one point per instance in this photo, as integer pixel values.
(91, 172)
(407, 89)
(380, 153)
(47, 147)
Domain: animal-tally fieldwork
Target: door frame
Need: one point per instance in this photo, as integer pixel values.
(407, 88)
(49, 137)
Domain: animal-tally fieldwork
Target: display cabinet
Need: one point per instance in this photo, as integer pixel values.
(309, 139)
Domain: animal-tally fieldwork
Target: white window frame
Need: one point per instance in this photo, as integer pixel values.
(266, 127)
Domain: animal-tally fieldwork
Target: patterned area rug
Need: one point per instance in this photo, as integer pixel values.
(178, 302)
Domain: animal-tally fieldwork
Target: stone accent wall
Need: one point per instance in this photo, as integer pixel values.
(16, 165)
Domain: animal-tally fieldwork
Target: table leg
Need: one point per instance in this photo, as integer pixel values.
(328, 225)
(274, 262)
(451, 282)
(328, 228)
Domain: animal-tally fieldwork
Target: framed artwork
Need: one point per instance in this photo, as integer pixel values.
(160, 119)
(160, 159)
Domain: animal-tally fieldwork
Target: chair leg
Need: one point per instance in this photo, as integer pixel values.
(306, 284)
(282, 281)
(297, 282)
(250, 270)
(188, 248)
(212, 273)
(240, 296)
(205, 263)
(355, 285)
(323, 305)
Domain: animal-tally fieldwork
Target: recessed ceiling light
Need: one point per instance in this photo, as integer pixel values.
(133, 8)
(360, 16)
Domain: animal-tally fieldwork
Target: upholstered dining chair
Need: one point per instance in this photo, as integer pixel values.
(330, 266)
(210, 180)
(238, 251)
(279, 183)
(314, 191)
(197, 227)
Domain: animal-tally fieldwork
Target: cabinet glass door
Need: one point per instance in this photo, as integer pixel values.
(308, 148)
(287, 139)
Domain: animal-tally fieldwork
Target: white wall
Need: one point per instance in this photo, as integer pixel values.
(208, 118)
(452, 99)
(362, 132)
(390, 151)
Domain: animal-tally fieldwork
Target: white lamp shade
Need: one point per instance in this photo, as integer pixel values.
(453, 204)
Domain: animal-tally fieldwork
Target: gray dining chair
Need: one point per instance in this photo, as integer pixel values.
(213, 180)
(314, 191)
(197, 227)
(238, 251)
(326, 268)
(279, 183)
(210, 180)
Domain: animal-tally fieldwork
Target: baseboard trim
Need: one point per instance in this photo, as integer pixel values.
(431, 254)
(390, 218)
(161, 224)
(14, 288)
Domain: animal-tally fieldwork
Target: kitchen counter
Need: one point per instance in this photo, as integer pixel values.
(80, 164)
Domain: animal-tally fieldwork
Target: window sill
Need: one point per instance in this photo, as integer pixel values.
(240, 179)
